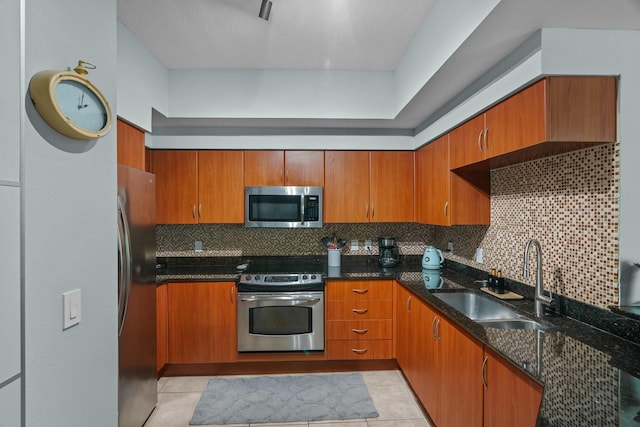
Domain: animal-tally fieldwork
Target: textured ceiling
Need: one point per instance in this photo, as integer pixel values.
(354, 35)
(369, 35)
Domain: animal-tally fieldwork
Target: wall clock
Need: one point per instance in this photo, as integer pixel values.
(70, 103)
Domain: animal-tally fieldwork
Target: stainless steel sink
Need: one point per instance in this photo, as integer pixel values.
(522, 323)
(487, 312)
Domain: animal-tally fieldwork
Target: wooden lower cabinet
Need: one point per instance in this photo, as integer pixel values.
(444, 367)
(459, 379)
(510, 397)
(202, 322)
(162, 325)
(359, 319)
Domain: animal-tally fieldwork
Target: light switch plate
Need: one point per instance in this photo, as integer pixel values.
(355, 245)
(72, 308)
(198, 246)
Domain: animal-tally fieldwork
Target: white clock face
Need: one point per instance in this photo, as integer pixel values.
(81, 105)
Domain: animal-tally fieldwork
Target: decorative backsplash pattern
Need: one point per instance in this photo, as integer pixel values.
(237, 240)
(570, 204)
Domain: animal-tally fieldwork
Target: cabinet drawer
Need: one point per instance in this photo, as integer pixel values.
(359, 329)
(359, 350)
(359, 310)
(359, 290)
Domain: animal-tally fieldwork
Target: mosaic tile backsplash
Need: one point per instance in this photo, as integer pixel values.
(236, 240)
(568, 202)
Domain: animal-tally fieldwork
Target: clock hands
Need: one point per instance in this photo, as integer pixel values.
(81, 104)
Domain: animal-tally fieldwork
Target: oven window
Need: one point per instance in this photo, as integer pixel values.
(274, 208)
(280, 320)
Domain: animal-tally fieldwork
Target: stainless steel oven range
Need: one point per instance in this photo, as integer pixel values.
(280, 312)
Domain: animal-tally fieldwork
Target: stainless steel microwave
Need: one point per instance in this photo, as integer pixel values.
(283, 207)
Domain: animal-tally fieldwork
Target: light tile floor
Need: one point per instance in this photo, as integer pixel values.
(394, 401)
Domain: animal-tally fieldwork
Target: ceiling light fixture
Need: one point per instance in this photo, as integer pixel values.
(265, 9)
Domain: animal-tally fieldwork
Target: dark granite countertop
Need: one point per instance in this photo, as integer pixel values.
(591, 374)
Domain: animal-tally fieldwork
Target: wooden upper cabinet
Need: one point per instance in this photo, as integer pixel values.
(131, 149)
(391, 192)
(263, 167)
(467, 143)
(433, 187)
(176, 186)
(198, 186)
(346, 186)
(517, 122)
(220, 187)
(552, 116)
(277, 167)
(304, 168)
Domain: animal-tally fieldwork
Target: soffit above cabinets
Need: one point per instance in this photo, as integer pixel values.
(352, 36)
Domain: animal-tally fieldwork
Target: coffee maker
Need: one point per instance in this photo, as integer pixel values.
(389, 256)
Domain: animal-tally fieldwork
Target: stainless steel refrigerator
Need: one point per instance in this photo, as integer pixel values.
(137, 389)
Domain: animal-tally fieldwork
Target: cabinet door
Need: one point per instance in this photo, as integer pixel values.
(391, 193)
(305, 168)
(162, 326)
(346, 187)
(510, 398)
(131, 150)
(517, 122)
(402, 326)
(470, 198)
(10, 306)
(459, 378)
(433, 183)
(263, 167)
(10, 404)
(176, 186)
(425, 353)
(220, 187)
(467, 143)
(202, 322)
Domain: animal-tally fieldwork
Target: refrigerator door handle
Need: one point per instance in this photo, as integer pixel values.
(124, 255)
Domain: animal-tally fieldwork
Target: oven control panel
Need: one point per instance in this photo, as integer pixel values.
(281, 279)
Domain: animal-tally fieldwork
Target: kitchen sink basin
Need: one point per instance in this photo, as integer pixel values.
(522, 323)
(487, 312)
(476, 306)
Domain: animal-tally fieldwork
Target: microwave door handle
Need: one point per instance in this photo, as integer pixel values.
(302, 210)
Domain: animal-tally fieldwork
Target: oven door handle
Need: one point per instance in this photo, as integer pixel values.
(301, 298)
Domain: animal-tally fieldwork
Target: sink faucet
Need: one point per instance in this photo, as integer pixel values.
(540, 298)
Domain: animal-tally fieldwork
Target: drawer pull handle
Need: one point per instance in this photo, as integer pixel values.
(360, 350)
(360, 331)
(360, 291)
(360, 310)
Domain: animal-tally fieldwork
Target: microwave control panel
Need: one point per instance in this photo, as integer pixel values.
(311, 208)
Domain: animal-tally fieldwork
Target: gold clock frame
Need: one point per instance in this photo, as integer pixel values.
(42, 89)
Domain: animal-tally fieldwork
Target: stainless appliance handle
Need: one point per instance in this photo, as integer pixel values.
(300, 298)
(125, 265)
(302, 210)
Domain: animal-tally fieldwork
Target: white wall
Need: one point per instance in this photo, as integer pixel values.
(611, 53)
(10, 228)
(143, 82)
(69, 228)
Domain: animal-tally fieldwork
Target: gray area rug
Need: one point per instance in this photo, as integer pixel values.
(286, 398)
